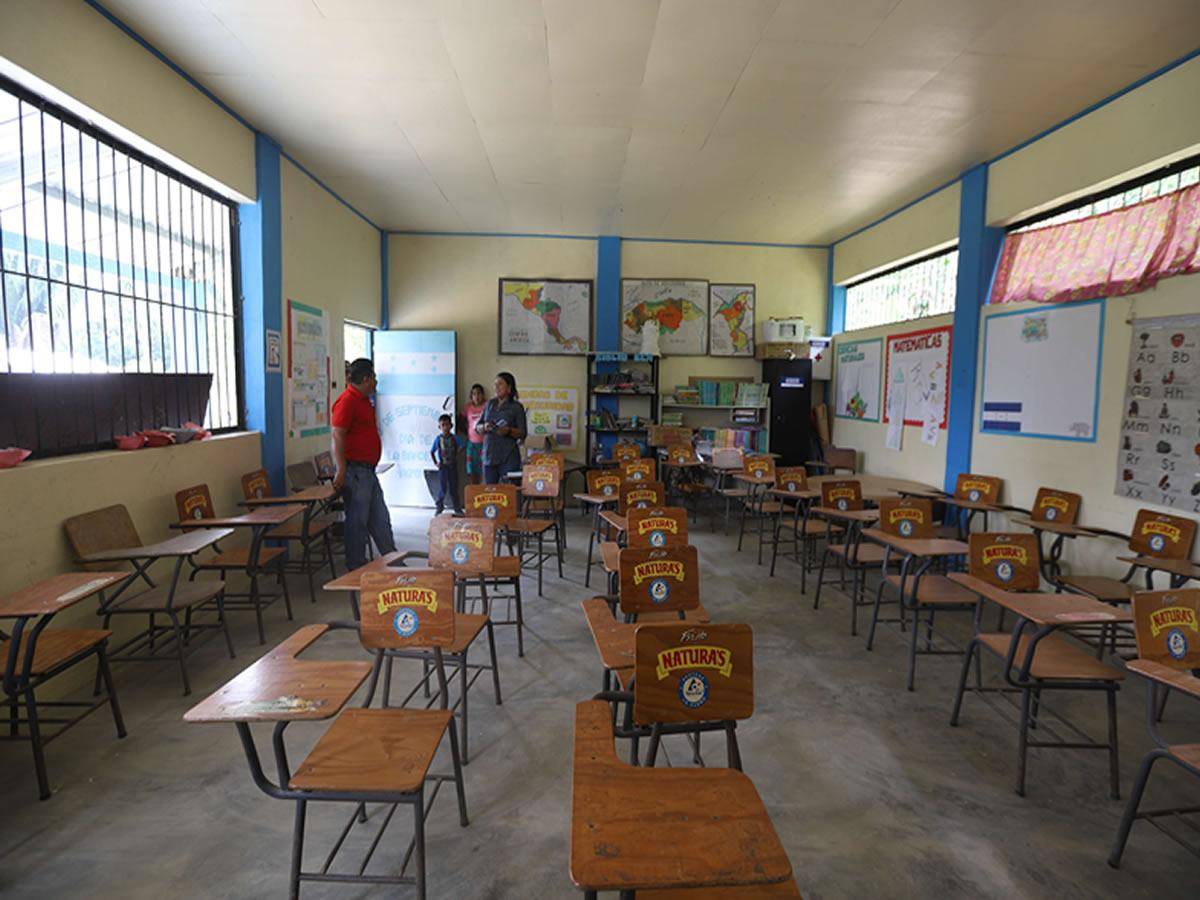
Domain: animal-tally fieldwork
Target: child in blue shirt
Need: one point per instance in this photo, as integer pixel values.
(444, 452)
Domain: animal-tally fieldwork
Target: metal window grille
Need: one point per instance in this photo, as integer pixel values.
(914, 291)
(111, 262)
(1119, 198)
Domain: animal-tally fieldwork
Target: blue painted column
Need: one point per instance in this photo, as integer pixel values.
(608, 319)
(978, 251)
(835, 319)
(384, 303)
(260, 241)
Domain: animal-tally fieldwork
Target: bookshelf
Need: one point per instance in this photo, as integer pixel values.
(621, 386)
(723, 424)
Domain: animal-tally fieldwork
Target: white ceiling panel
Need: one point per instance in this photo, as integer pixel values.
(757, 120)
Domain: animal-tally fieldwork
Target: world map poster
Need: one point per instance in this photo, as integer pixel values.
(731, 320)
(546, 316)
(678, 308)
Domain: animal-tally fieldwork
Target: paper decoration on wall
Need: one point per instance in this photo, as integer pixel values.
(680, 309)
(897, 399)
(924, 358)
(551, 412)
(308, 371)
(1041, 372)
(858, 369)
(549, 316)
(1159, 456)
(731, 320)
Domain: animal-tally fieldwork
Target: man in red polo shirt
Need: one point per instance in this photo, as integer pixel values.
(356, 451)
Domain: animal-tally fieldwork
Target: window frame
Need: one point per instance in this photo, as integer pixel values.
(892, 270)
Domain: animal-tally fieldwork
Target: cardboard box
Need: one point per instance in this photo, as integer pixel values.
(781, 351)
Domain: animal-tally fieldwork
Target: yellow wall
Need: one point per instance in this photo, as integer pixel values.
(922, 227)
(72, 47)
(1146, 128)
(330, 261)
(914, 460)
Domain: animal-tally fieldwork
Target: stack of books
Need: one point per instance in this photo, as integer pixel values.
(671, 418)
(751, 395)
(685, 393)
(750, 439)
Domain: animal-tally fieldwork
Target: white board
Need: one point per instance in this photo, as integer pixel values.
(1041, 372)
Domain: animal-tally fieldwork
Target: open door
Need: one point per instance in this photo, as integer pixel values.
(416, 371)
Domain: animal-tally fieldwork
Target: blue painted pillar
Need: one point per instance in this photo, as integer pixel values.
(978, 252)
(835, 320)
(608, 293)
(384, 312)
(260, 241)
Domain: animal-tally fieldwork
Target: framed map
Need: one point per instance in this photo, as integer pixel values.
(679, 308)
(546, 316)
(731, 320)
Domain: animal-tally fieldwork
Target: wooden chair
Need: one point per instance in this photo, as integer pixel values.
(725, 463)
(196, 503)
(309, 531)
(1005, 565)
(836, 459)
(1155, 535)
(111, 528)
(541, 512)
(324, 464)
(803, 530)
(302, 475)
(467, 547)
(657, 583)
(624, 452)
(758, 474)
(1167, 629)
(684, 469)
(366, 755)
(641, 469)
(645, 527)
(916, 588)
(973, 495)
(603, 486)
(630, 495)
(467, 628)
(1055, 511)
(853, 555)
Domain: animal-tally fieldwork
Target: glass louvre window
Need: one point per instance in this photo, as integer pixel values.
(1120, 198)
(924, 288)
(109, 261)
(357, 341)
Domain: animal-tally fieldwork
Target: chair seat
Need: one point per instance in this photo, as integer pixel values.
(937, 590)
(781, 891)
(610, 555)
(187, 593)
(502, 567)
(240, 559)
(861, 554)
(1189, 753)
(1055, 659)
(818, 527)
(56, 646)
(374, 751)
(293, 529)
(530, 526)
(1107, 590)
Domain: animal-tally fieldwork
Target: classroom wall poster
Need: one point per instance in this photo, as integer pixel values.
(924, 358)
(1159, 457)
(858, 368)
(308, 370)
(551, 412)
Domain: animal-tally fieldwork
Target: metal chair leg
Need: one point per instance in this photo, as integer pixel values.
(35, 740)
(106, 676)
(491, 637)
(458, 779)
(297, 849)
(419, 840)
(179, 645)
(464, 690)
(1022, 739)
(1114, 768)
(1131, 808)
(972, 650)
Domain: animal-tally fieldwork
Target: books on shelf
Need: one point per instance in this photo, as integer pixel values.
(750, 394)
(671, 418)
(751, 439)
(685, 393)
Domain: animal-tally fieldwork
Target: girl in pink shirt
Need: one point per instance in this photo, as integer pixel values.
(471, 412)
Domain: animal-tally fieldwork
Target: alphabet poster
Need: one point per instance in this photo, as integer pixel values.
(924, 358)
(1159, 456)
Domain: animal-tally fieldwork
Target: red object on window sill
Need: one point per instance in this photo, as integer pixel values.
(134, 441)
(156, 438)
(11, 457)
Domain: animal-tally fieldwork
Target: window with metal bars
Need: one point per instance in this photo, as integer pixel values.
(118, 296)
(915, 290)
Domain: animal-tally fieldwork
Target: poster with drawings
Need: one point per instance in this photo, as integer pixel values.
(858, 365)
(924, 358)
(308, 370)
(1159, 457)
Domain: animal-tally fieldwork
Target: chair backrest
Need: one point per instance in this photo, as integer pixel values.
(1053, 505)
(626, 452)
(685, 672)
(662, 526)
(110, 528)
(639, 495)
(1161, 534)
(791, 478)
(543, 458)
(841, 459)
(464, 545)
(843, 494)
(906, 517)
(977, 488)
(301, 475)
(637, 470)
(194, 503)
(256, 484)
(406, 608)
(540, 480)
(681, 454)
(727, 458)
(326, 468)
(497, 502)
(659, 578)
(1167, 624)
(603, 482)
(1004, 560)
(668, 435)
(759, 466)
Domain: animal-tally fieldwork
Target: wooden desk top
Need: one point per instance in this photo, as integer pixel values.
(181, 545)
(57, 593)
(794, 495)
(923, 547)
(352, 581)
(616, 641)
(677, 464)
(635, 828)
(754, 479)
(1184, 568)
(259, 517)
(618, 522)
(975, 505)
(280, 687)
(1063, 528)
(1175, 678)
(878, 484)
(1062, 610)
(598, 499)
(850, 515)
(318, 493)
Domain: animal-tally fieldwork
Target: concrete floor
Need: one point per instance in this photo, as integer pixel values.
(872, 793)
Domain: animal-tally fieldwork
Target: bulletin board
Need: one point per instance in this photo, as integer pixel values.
(858, 369)
(551, 412)
(1041, 372)
(919, 360)
(308, 370)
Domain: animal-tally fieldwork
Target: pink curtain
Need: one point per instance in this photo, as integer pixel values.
(1119, 252)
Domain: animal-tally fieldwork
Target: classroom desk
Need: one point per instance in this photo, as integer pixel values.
(1181, 571)
(616, 641)
(1048, 562)
(318, 493)
(34, 657)
(637, 829)
(597, 502)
